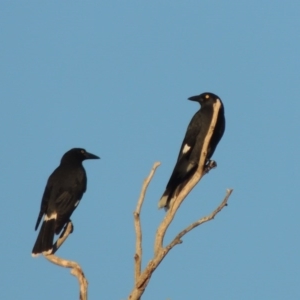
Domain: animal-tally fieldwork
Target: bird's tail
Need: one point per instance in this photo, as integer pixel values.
(165, 200)
(44, 241)
(169, 195)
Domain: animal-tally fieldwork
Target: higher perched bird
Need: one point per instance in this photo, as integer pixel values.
(191, 148)
(62, 194)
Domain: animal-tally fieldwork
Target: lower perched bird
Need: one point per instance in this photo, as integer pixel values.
(191, 148)
(62, 194)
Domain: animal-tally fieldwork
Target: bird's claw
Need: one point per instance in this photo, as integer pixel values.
(211, 164)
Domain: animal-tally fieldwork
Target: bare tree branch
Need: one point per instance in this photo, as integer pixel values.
(137, 222)
(75, 267)
(142, 278)
(68, 229)
(177, 239)
(145, 276)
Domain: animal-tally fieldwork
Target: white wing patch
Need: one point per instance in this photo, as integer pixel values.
(76, 203)
(190, 166)
(52, 216)
(186, 148)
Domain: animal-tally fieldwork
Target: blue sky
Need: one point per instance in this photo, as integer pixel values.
(113, 77)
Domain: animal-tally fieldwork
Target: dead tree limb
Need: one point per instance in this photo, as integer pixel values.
(177, 239)
(74, 266)
(137, 223)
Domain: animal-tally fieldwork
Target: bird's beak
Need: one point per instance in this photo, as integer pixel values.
(194, 98)
(91, 156)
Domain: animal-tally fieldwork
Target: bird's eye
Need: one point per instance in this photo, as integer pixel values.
(206, 96)
(82, 151)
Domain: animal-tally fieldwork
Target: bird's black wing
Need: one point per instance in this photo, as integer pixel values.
(66, 203)
(184, 165)
(44, 203)
(190, 137)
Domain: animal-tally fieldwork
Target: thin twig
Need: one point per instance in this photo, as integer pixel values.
(177, 239)
(137, 223)
(74, 266)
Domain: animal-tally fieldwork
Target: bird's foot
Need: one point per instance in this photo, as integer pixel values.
(211, 164)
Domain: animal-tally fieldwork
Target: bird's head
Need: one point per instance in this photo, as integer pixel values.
(78, 154)
(205, 98)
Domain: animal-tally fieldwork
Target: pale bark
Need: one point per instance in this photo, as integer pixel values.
(74, 266)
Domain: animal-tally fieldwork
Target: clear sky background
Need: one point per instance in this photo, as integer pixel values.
(113, 77)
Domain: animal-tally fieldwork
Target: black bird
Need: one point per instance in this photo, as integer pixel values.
(62, 194)
(191, 148)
